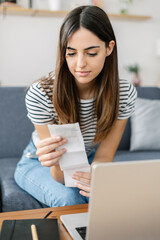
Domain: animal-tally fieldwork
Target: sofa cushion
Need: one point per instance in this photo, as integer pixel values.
(16, 128)
(148, 92)
(145, 130)
(125, 141)
(143, 92)
(13, 197)
(137, 155)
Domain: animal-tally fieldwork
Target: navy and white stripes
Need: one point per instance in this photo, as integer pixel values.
(41, 110)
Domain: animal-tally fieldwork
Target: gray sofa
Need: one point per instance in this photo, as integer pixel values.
(15, 134)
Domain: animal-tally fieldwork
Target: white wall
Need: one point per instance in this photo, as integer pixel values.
(28, 44)
(137, 40)
(27, 48)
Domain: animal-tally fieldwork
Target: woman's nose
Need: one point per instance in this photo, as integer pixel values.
(81, 61)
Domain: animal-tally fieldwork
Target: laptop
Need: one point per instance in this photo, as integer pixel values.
(124, 203)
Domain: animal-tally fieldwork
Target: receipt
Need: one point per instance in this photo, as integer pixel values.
(75, 158)
(69, 182)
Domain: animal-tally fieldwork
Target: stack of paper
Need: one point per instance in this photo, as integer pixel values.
(75, 158)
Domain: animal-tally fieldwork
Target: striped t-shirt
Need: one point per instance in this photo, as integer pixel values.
(41, 110)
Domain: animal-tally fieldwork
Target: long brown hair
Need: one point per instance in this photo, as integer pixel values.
(65, 93)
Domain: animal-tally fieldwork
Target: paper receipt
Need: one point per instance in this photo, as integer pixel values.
(75, 158)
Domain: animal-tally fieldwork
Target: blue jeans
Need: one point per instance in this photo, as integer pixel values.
(36, 179)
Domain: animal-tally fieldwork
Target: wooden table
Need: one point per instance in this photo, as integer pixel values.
(40, 213)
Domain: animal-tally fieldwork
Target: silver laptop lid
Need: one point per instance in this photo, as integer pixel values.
(125, 201)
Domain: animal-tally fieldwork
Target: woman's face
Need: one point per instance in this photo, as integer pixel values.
(85, 56)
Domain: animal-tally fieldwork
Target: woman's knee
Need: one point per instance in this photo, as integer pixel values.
(70, 196)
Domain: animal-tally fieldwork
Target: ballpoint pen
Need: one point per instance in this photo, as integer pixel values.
(48, 214)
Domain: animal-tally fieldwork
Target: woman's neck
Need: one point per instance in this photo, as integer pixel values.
(86, 94)
(86, 91)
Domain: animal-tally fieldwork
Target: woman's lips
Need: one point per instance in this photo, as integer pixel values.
(82, 73)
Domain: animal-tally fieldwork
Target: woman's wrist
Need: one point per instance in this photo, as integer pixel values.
(101, 160)
(57, 174)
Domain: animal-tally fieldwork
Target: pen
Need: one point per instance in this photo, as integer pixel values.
(48, 214)
(34, 232)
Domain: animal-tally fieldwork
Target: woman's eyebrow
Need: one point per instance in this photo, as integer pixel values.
(91, 47)
(70, 48)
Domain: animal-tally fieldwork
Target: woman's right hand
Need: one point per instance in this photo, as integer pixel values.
(47, 151)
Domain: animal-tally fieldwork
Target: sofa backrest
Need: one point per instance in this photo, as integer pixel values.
(15, 127)
(143, 92)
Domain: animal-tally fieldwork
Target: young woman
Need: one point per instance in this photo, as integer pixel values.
(84, 88)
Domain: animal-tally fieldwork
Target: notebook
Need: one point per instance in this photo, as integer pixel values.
(124, 203)
(21, 229)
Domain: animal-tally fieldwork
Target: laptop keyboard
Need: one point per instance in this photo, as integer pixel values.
(82, 232)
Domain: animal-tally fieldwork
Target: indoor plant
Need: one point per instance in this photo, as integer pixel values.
(124, 4)
(135, 70)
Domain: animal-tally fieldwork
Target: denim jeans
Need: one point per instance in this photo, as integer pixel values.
(36, 179)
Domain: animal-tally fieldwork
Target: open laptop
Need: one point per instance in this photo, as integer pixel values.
(124, 203)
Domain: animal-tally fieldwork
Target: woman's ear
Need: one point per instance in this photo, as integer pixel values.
(110, 47)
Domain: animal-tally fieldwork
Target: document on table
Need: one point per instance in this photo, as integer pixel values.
(75, 158)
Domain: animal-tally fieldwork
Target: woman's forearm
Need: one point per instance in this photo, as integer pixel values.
(57, 174)
(102, 160)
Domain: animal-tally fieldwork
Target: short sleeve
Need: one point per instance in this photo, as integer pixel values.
(128, 95)
(39, 106)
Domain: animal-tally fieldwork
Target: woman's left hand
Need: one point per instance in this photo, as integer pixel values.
(85, 179)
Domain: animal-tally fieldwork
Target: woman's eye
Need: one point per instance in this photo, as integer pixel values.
(92, 54)
(70, 54)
